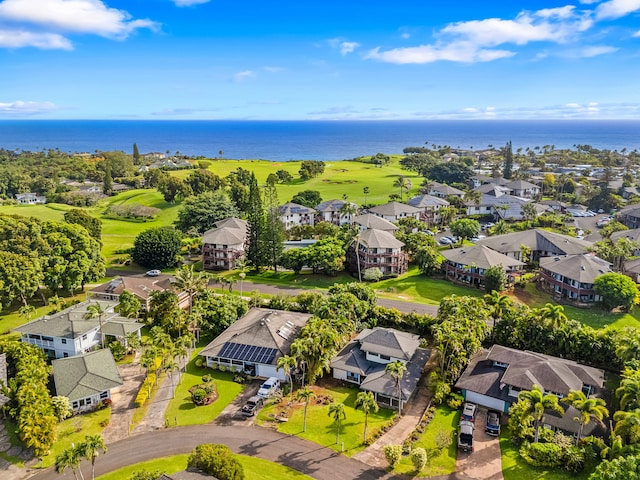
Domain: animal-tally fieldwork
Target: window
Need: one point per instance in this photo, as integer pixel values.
(64, 341)
(65, 354)
(385, 357)
(84, 337)
(104, 395)
(47, 339)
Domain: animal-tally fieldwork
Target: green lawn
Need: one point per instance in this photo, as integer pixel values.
(514, 468)
(595, 316)
(321, 428)
(446, 420)
(74, 430)
(181, 410)
(254, 469)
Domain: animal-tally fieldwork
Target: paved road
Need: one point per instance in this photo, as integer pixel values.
(314, 460)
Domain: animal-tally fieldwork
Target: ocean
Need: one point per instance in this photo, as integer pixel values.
(308, 140)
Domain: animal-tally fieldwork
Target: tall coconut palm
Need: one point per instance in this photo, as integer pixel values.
(69, 458)
(287, 363)
(402, 183)
(499, 304)
(538, 403)
(171, 366)
(91, 449)
(190, 281)
(306, 395)
(96, 311)
(554, 313)
(336, 411)
(590, 409)
(628, 425)
(397, 370)
(366, 401)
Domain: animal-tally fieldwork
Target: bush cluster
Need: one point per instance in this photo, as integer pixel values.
(216, 460)
(133, 211)
(143, 393)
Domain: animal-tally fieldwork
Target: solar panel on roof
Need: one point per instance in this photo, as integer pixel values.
(248, 353)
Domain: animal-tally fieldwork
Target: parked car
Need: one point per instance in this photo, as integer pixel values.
(429, 232)
(469, 412)
(253, 406)
(445, 241)
(465, 436)
(493, 423)
(487, 226)
(153, 273)
(269, 387)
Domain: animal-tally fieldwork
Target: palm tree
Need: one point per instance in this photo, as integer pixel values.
(306, 395)
(628, 345)
(69, 458)
(365, 190)
(348, 211)
(537, 403)
(402, 183)
(336, 411)
(628, 425)
(90, 449)
(554, 313)
(397, 370)
(187, 280)
(628, 392)
(26, 311)
(367, 402)
(590, 409)
(287, 363)
(96, 311)
(499, 303)
(171, 366)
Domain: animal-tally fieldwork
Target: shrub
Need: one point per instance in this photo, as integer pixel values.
(216, 460)
(542, 454)
(206, 378)
(199, 362)
(198, 395)
(393, 453)
(117, 350)
(61, 407)
(419, 458)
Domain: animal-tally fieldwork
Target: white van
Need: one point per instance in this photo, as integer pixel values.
(269, 387)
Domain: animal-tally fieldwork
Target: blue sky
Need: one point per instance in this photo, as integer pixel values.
(329, 60)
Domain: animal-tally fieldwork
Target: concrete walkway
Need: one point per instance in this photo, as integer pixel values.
(374, 454)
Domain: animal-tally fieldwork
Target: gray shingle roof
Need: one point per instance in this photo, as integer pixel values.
(633, 235)
(422, 201)
(394, 208)
(233, 222)
(584, 268)
(331, 206)
(379, 381)
(521, 185)
(70, 323)
(293, 208)
(480, 256)
(85, 375)
(445, 189)
(388, 341)
(539, 240)
(224, 236)
(369, 220)
(261, 327)
(373, 238)
(139, 285)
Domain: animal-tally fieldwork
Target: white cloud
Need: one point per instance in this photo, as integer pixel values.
(637, 34)
(20, 108)
(348, 47)
(477, 40)
(189, 3)
(454, 52)
(616, 8)
(273, 69)
(73, 16)
(241, 76)
(44, 41)
(595, 50)
(572, 105)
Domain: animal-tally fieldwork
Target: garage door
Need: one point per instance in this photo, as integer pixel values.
(485, 401)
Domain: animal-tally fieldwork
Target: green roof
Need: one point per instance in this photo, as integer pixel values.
(85, 375)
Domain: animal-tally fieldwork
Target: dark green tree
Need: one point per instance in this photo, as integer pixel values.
(311, 169)
(507, 153)
(136, 154)
(308, 198)
(157, 248)
(81, 217)
(274, 233)
(202, 181)
(256, 251)
(173, 188)
(616, 290)
(107, 180)
(20, 278)
(202, 211)
(495, 279)
(465, 228)
(216, 460)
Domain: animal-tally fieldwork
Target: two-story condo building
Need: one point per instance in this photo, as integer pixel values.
(429, 206)
(395, 211)
(378, 249)
(333, 211)
(571, 277)
(224, 245)
(468, 265)
(293, 214)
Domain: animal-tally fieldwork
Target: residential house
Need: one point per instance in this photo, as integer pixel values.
(571, 277)
(364, 359)
(630, 216)
(370, 221)
(333, 211)
(293, 214)
(377, 249)
(71, 332)
(495, 377)
(224, 245)
(30, 198)
(395, 211)
(632, 269)
(555, 205)
(468, 265)
(500, 204)
(86, 379)
(254, 343)
(442, 190)
(141, 286)
(429, 206)
(523, 189)
(542, 243)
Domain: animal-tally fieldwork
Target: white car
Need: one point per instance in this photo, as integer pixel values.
(445, 241)
(269, 387)
(153, 273)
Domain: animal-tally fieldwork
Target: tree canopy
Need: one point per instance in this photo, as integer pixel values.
(202, 211)
(157, 248)
(616, 290)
